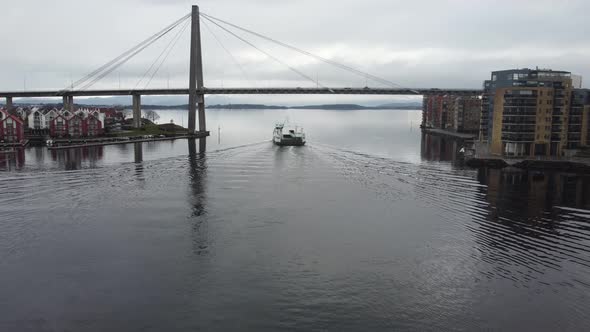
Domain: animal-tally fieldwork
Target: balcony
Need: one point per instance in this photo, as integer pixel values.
(518, 137)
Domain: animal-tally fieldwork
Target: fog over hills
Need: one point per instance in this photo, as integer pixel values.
(230, 102)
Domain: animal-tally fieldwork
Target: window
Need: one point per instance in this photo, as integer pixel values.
(494, 77)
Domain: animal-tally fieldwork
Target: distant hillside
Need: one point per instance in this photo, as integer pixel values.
(410, 105)
(332, 107)
(247, 107)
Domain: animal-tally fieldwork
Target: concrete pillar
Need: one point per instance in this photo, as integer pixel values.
(137, 111)
(196, 76)
(71, 103)
(9, 104)
(202, 145)
(65, 101)
(138, 152)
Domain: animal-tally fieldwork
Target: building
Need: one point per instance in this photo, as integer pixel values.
(36, 119)
(82, 123)
(532, 112)
(12, 129)
(577, 134)
(432, 111)
(59, 126)
(3, 114)
(49, 116)
(22, 113)
(467, 114)
(450, 112)
(94, 125)
(76, 125)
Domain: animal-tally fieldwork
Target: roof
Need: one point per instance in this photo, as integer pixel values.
(14, 117)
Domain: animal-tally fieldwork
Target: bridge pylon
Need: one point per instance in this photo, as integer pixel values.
(196, 95)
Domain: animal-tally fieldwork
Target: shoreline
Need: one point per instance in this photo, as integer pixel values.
(154, 139)
(565, 165)
(448, 133)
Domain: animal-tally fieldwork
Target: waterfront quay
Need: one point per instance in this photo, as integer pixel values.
(538, 114)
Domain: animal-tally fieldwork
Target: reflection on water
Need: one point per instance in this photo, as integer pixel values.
(194, 235)
(197, 197)
(73, 159)
(12, 160)
(439, 148)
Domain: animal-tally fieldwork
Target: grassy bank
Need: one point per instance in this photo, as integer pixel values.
(153, 129)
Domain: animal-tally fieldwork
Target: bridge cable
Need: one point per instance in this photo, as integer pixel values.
(140, 47)
(317, 57)
(88, 76)
(266, 53)
(157, 59)
(148, 41)
(235, 61)
(122, 62)
(168, 53)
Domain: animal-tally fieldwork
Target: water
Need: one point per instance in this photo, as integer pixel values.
(371, 226)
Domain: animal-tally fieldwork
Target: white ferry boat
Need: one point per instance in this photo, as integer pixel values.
(284, 135)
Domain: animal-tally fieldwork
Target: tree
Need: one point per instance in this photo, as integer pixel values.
(152, 115)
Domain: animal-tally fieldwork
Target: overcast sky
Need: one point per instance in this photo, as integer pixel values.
(455, 43)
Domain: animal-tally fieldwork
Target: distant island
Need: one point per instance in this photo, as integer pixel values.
(334, 107)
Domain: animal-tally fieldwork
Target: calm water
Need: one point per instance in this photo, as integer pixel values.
(371, 226)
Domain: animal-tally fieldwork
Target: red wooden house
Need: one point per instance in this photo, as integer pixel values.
(77, 125)
(93, 125)
(12, 129)
(58, 127)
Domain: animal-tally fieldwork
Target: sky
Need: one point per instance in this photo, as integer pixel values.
(420, 43)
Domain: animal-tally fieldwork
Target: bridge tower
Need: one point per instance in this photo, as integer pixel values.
(196, 96)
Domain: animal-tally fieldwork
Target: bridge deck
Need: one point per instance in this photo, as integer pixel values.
(244, 91)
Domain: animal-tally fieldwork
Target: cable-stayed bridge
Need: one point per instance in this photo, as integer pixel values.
(196, 91)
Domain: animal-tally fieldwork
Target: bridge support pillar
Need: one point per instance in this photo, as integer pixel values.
(195, 94)
(70, 103)
(65, 101)
(9, 104)
(137, 111)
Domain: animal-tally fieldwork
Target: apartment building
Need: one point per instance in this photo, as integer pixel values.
(533, 112)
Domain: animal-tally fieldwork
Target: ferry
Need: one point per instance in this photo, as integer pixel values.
(288, 136)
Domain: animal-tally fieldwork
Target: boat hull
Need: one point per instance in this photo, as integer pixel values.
(297, 141)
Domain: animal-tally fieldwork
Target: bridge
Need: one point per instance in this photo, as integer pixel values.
(196, 91)
(243, 91)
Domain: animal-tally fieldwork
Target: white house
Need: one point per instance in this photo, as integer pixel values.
(49, 116)
(100, 116)
(22, 113)
(36, 119)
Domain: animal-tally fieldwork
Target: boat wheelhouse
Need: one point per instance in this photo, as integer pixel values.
(285, 135)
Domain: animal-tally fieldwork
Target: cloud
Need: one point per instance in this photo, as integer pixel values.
(454, 43)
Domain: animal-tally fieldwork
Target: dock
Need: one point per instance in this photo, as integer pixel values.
(448, 133)
(15, 145)
(119, 141)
